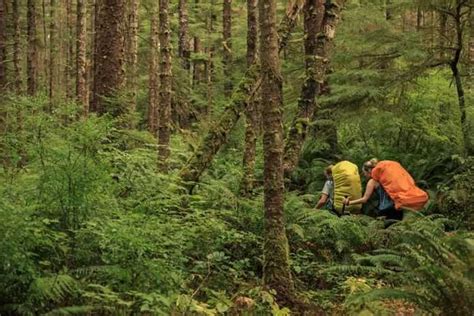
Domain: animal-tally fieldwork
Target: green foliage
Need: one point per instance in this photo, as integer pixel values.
(433, 269)
(88, 225)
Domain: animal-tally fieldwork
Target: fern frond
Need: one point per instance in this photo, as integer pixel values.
(71, 310)
(54, 288)
(357, 270)
(360, 299)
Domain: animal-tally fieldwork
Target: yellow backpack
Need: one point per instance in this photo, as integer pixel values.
(346, 179)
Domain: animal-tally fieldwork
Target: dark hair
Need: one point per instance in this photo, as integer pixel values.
(328, 170)
(369, 165)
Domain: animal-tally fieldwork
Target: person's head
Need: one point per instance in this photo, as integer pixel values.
(368, 166)
(328, 172)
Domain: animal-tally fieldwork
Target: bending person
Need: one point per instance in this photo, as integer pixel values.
(343, 179)
(326, 199)
(395, 187)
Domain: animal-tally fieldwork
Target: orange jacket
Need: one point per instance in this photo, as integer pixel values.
(399, 185)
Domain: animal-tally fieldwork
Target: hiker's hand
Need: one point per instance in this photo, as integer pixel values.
(345, 201)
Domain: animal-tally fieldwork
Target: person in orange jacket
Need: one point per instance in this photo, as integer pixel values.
(395, 187)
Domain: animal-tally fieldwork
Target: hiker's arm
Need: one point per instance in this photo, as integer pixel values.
(322, 200)
(368, 192)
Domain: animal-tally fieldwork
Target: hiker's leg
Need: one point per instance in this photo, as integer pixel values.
(392, 216)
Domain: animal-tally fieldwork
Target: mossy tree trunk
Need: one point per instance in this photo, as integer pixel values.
(164, 121)
(460, 11)
(82, 93)
(252, 109)
(3, 46)
(110, 55)
(244, 93)
(276, 267)
(17, 48)
(320, 24)
(227, 46)
(184, 49)
(69, 71)
(32, 50)
(198, 63)
(132, 53)
(53, 52)
(153, 80)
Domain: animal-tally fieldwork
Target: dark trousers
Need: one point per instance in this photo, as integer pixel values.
(392, 215)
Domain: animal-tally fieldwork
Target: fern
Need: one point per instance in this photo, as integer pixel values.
(71, 310)
(357, 270)
(52, 288)
(429, 262)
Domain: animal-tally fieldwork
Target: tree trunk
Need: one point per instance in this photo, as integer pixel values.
(276, 267)
(443, 34)
(244, 93)
(82, 93)
(227, 46)
(209, 65)
(318, 37)
(53, 53)
(42, 49)
(93, 38)
(164, 122)
(69, 71)
(32, 54)
(3, 48)
(471, 37)
(132, 53)
(17, 48)
(252, 109)
(419, 19)
(184, 50)
(388, 10)
(109, 58)
(459, 23)
(198, 64)
(153, 75)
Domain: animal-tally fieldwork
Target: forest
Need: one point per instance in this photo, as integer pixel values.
(217, 157)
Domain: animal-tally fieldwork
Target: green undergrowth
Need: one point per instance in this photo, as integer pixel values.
(89, 226)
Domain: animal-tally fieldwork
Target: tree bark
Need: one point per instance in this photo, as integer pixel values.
(132, 53)
(3, 46)
(227, 46)
(459, 23)
(32, 54)
(109, 58)
(153, 75)
(276, 267)
(388, 10)
(443, 34)
(184, 49)
(471, 37)
(164, 122)
(198, 64)
(53, 53)
(17, 48)
(93, 38)
(419, 19)
(252, 109)
(318, 37)
(42, 50)
(69, 72)
(209, 65)
(245, 92)
(82, 92)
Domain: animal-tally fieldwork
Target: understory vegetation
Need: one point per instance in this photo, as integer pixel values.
(88, 226)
